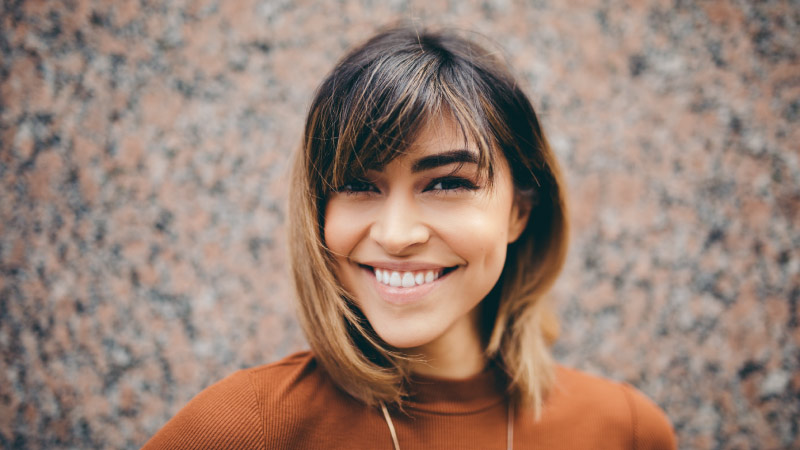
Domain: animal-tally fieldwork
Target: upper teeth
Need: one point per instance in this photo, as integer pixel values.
(405, 279)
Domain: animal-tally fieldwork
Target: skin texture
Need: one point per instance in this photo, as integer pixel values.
(441, 217)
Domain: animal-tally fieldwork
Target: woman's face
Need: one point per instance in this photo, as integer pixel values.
(419, 244)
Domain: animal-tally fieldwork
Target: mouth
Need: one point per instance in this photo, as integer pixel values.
(407, 279)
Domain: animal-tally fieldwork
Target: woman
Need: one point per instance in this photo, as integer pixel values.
(428, 221)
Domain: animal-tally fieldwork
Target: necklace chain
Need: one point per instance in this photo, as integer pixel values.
(509, 435)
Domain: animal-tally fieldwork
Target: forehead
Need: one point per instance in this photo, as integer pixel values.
(430, 133)
(440, 134)
(439, 143)
(443, 144)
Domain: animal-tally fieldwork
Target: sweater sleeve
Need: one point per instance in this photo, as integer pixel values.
(651, 427)
(223, 416)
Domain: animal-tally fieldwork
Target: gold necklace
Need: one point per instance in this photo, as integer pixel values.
(509, 433)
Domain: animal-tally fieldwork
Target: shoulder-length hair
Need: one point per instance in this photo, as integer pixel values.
(364, 114)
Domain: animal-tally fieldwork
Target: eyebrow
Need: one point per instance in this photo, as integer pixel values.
(460, 156)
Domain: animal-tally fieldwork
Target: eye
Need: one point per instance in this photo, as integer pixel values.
(451, 184)
(357, 187)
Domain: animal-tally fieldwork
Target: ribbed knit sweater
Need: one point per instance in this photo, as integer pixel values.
(293, 404)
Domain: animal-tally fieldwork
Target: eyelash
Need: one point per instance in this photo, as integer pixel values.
(456, 183)
(363, 187)
(357, 187)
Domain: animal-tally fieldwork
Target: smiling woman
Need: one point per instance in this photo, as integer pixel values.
(419, 243)
(428, 223)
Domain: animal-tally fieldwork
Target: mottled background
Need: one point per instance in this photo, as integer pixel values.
(143, 159)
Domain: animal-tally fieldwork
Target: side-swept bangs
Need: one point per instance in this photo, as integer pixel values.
(380, 96)
(368, 111)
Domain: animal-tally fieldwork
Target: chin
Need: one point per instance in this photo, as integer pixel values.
(403, 339)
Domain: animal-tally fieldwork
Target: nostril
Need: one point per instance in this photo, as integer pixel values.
(396, 240)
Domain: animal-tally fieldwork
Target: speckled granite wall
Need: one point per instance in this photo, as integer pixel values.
(143, 157)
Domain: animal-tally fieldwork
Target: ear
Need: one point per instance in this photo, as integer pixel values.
(520, 212)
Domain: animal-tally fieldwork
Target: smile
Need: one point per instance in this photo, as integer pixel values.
(406, 279)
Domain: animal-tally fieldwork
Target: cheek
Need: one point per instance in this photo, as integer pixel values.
(341, 231)
(479, 234)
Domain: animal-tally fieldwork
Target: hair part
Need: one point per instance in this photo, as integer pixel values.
(367, 112)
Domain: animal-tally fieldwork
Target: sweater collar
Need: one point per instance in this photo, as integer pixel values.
(456, 396)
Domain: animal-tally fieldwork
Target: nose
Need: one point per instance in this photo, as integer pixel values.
(399, 227)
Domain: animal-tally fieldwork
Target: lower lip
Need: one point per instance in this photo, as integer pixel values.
(401, 295)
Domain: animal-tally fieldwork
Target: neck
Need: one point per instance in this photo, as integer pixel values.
(457, 354)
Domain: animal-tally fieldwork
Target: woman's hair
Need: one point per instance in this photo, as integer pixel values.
(365, 113)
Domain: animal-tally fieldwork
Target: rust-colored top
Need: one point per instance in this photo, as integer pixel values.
(292, 404)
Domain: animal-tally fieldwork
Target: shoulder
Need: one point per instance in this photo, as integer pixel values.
(287, 391)
(239, 411)
(597, 402)
(286, 375)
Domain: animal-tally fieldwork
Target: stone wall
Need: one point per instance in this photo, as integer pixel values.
(143, 173)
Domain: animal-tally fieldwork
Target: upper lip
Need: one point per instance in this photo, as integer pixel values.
(404, 266)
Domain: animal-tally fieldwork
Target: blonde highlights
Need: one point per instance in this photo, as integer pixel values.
(368, 111)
